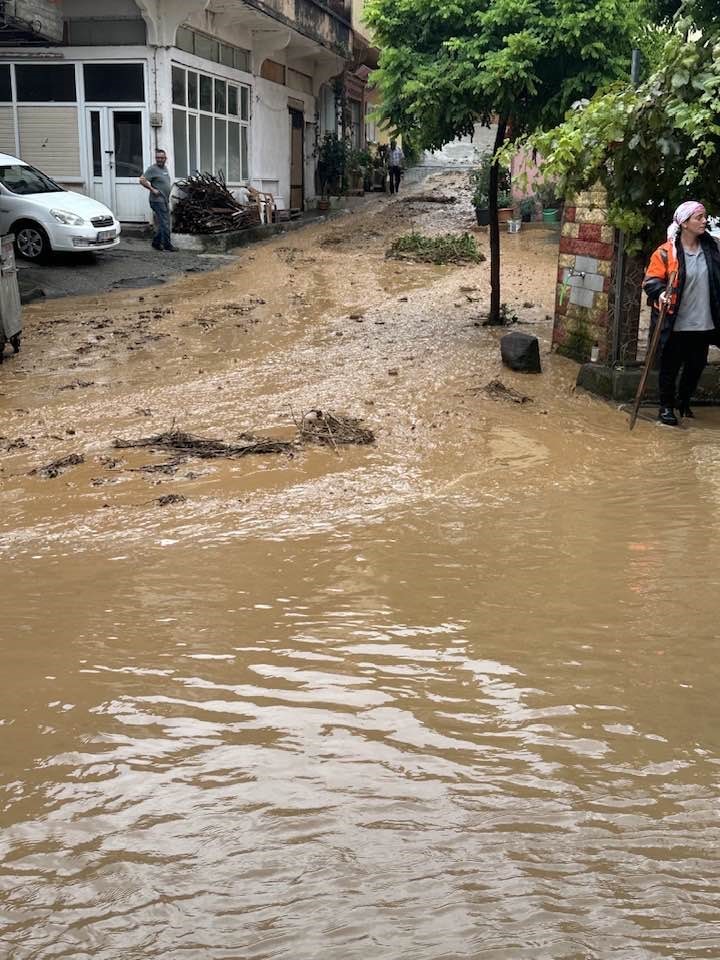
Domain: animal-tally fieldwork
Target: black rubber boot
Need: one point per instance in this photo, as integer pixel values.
(685, 411)
(667, 416)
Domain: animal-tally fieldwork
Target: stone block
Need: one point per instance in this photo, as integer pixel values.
(602, 302)
(591, 281)
(607, 234)
(570, 214)
(582, 298)
(587, 248)
(520, 351)
(591, 215)
(566, 260)
(590, 231)
(586, 264)
(570, 230)
(605, 267)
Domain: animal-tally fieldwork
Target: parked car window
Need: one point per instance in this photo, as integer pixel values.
(25, 180)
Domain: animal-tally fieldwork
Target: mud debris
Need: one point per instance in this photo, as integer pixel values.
(52, 470)
(169, 499)
(203, 448)
(318, 426)
(77, 385)
(430, 198)
(497, 390)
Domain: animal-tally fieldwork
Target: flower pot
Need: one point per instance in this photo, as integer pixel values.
(505, 214)
(482, 215)
(514, 226)
(527, 218)
(550, 216)
(323, 203)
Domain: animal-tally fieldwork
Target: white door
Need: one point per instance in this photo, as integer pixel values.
(116, 138)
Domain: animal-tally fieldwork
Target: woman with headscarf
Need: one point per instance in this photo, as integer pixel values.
(692, 321)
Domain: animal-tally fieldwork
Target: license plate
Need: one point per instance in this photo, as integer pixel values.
(104, 235)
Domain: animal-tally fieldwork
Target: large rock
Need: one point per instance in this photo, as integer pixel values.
(521, 352)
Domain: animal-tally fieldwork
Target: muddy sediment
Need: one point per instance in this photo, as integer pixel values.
(450, 693)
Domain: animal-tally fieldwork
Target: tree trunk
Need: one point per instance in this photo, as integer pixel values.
(494, 317)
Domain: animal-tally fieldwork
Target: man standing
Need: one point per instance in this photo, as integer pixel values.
(396, 159)
(157, 180)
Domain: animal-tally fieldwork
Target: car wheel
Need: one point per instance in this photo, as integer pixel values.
(31, 241)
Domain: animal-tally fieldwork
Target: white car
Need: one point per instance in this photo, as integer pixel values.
(45, 217)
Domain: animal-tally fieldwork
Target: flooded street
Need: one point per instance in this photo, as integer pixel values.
(451, 695)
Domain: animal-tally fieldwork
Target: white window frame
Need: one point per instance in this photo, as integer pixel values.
(80, 102)
(190, 63)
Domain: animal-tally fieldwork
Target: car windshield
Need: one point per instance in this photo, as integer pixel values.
(25, 180)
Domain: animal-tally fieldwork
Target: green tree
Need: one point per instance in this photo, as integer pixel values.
(650, 147)
(447, 64)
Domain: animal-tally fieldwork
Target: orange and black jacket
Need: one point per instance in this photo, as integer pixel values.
(667, 260)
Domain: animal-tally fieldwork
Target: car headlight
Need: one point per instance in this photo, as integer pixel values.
(69, 219)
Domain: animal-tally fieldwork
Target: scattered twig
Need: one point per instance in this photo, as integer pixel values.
(52, 470)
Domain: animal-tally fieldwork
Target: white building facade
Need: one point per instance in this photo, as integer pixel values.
(89, 89)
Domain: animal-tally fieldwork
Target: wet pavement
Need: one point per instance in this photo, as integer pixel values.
(449, 695)
(131, 265)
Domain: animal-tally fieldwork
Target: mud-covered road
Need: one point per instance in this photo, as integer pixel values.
(449, 695)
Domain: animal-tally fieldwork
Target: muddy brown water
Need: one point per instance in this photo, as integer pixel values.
(450, 696)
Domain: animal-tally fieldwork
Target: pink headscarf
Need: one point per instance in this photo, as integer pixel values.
(682, 214)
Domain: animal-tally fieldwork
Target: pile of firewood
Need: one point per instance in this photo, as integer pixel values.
(205, 205)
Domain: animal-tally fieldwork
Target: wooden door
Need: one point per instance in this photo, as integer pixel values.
(297, 160)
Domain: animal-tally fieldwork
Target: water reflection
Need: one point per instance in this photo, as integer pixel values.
(480, 734)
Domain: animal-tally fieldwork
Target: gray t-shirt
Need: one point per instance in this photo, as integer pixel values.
(694, 313)
(159, 179)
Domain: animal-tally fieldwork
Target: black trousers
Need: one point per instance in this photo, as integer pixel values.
(395, 179)
(685, 353)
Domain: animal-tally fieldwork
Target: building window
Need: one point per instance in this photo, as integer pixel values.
(5, 85)
(271, 70)
(299, 81)
(45, 83)
(210, 48)
(211, 119)
(114, 82)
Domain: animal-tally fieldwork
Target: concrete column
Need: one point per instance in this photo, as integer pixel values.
(585, 273)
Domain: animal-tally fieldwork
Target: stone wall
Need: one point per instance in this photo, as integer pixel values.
(585, 275)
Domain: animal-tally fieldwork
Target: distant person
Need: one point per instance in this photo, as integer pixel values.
(692, 322)
(396, 162)
(157, 180)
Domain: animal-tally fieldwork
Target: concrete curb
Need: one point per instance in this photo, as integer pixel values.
(225, 242)
(620, 384)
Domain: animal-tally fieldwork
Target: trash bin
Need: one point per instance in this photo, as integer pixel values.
(10, 309)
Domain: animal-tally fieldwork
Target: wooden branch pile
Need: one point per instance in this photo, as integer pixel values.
(187, 445)
(207, 206)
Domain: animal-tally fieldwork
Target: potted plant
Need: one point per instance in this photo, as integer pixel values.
(527, 209)
(547, 196)
(480, 186)
(358, 161)
(332, 162)
(505, 210)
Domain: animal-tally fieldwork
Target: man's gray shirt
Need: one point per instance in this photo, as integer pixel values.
(694, 313)
(159, 179)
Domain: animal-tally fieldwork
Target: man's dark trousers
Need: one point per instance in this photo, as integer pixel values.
(395, 173)
(161, 208)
